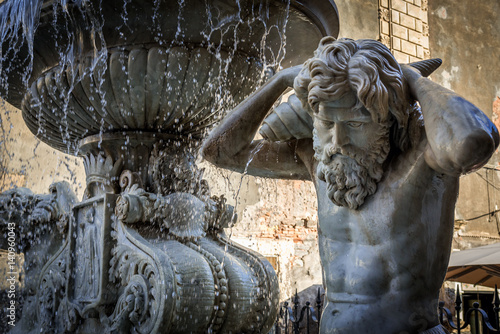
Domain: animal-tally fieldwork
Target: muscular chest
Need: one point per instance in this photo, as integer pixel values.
(410, 201)
(360, 226)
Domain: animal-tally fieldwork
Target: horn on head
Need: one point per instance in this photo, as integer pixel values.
(426, 67)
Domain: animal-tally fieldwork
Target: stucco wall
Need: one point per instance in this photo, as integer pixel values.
(466, 35)
(358, 19)
(27, 162)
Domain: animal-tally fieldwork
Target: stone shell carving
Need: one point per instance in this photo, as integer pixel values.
(172, 90)
(287, 121)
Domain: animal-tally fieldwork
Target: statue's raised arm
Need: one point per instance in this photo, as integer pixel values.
(231, 145)
(460, 137)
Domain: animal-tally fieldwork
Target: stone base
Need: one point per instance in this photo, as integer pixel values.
(435, 330)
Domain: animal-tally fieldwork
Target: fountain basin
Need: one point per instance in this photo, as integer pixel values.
(158, 90)
(159, 66)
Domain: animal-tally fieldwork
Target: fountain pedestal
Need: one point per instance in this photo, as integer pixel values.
(133, 87)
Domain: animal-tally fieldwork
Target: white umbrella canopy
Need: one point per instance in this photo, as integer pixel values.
(478, 266)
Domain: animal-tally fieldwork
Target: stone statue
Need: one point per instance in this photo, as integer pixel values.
(385, 169)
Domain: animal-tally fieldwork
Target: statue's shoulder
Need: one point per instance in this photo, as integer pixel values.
(411, 161)
(410, 170)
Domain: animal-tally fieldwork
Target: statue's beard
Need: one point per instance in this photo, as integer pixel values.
(351, 173)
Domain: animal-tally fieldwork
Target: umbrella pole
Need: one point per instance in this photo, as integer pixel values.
(496, 307)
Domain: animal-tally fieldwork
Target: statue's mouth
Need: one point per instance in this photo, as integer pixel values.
(337, 157)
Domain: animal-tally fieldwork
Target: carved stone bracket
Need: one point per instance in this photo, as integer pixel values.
(145, 278)
(185, 216)
(425, 29)
(386, 40)
(383, 14)
(425, 5)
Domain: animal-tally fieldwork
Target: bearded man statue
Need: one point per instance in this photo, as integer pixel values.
(385, 170)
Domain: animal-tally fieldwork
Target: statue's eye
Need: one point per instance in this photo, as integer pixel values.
(354, 124)
(327, 124)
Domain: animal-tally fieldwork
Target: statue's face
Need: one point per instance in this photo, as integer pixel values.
(340, 127)
(350, 148)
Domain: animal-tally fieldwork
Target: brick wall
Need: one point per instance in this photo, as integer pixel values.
(282, 224)
(404, 28)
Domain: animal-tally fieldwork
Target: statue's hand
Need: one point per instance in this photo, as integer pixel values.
(410, 73)
(288, 75)
(288, 121)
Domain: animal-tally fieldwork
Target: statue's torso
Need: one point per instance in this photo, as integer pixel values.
(393, 251)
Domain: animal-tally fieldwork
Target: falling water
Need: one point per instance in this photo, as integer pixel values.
(251, 156)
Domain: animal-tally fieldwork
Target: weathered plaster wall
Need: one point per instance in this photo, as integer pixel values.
(358, 19)
(27, 162)
(466, 35)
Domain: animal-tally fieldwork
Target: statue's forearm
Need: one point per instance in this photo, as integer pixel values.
(238, 129)
(461, 137)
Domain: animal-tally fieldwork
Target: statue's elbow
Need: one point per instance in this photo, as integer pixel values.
(209, 152)
(213, 152)
(476, 150)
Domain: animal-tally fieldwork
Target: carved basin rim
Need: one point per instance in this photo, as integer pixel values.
(124, 139)
(323, 13)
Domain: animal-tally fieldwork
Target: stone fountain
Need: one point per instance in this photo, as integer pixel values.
(133, 87)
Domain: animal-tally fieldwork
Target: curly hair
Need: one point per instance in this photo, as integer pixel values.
(366, 67)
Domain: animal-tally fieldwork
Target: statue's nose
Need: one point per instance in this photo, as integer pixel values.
(340, 136)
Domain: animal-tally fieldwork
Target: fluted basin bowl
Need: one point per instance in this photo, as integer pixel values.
(172, 91)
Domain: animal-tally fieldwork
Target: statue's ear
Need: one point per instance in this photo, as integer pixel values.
(426, 67)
